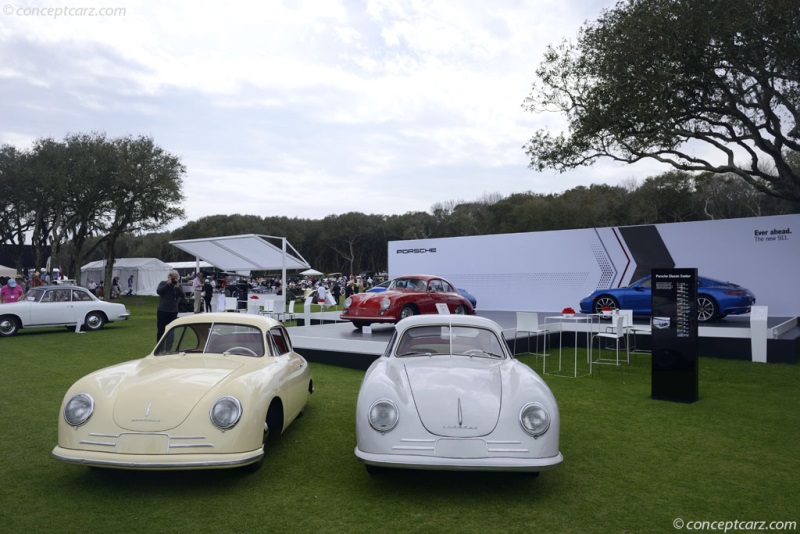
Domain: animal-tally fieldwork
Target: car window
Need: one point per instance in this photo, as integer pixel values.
(280, 340)
(647, 284)
(447, 288)
(34, 295)
(56, 295)
(212, 338)
(78, 295)
(436, 286)
(446, 340)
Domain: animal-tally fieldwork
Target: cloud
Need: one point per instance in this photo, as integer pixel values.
(301, 108)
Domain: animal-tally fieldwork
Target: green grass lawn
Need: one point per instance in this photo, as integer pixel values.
(631, 464)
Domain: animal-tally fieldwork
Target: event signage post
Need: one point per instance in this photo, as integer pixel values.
(674, 335)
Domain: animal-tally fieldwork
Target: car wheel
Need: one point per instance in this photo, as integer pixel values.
(461, 310)
(605, 301)
(94, 321)
(8, 326)
(255, 466)
(706, 309)
(407, 311)
(358, 325)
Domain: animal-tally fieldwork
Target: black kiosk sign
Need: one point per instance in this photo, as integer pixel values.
(674, 335)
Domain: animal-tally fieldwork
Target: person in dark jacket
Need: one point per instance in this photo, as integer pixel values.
(169, 292)
(208, 294)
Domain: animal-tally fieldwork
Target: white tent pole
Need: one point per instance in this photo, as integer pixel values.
(283, 276)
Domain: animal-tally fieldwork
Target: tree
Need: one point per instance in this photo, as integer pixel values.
(144, 192)
(674, 80)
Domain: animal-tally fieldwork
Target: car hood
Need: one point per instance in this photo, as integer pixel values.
(159, 394)
(456, 396)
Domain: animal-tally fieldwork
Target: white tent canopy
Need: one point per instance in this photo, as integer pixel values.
(248, 252)
(7, 271)
(244, 253)
(190, 264)
(311, 272)
(146, 272)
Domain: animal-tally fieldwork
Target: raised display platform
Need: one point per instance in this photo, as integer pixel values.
(327, 340)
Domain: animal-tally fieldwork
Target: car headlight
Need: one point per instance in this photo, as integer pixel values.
(383, 415)
(385, 304)
(225, 413)
(347, 302)
(79, 409)
(534, 419)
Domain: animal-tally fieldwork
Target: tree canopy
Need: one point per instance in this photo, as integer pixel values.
(702, 85)
(85, 192)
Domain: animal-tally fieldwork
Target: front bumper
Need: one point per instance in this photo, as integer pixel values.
(410, 461)
(157, 462)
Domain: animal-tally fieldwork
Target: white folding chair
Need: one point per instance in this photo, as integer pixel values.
(528, 322)
(268, 308)
(631, 329)
(231, 304)
(615, 332)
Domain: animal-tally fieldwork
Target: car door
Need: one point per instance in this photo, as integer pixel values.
(639, 297)
(449, 295)
(54, 308)
(82, 303)
(292, 388)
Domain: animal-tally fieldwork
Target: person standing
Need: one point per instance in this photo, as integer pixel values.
(130, 287)
(197, 288)
(11, 292)
(336, 292)
(208, 294)
(322, 294)
(169, 292)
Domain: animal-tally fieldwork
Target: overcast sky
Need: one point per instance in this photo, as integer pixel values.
(300, 108)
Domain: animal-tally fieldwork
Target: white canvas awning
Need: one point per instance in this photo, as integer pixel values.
(244, 252)
(7, 271)
(147, 273)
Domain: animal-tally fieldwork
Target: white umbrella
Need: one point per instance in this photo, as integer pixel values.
(311, 272)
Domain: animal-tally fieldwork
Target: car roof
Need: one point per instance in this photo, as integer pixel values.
(248, 319)
(447, 320)
(59, 286)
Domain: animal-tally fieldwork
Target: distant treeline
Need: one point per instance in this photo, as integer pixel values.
(356, 242)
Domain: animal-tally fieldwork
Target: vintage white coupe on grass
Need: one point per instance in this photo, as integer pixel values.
(206, 397)
(447, 394)
(61, 305)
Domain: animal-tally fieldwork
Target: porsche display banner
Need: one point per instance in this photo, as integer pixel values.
(674, 339)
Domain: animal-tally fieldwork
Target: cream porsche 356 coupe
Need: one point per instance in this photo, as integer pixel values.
(447, 394)
(206, 397)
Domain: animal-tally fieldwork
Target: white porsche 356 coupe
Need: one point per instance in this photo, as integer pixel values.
(448, 394)
(205, 398)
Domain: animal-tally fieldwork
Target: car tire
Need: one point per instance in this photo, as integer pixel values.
(9, 326)
(94, 321)
(461, 310)
(358, 325)
(407, 311)
(707, 309)
(605, 301)
(255, 466)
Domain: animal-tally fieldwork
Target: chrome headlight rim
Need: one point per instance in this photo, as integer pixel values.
(79, 409)
(385, 303)
(389, 409)
(347, 302)
(231, 418)
(537, 429)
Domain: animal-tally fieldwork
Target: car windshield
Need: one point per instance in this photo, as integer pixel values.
(216, 338)
(414, 284)
(450, 340)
